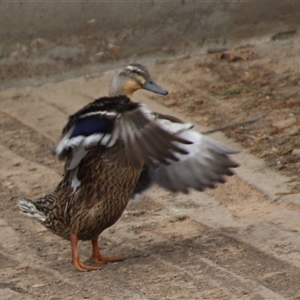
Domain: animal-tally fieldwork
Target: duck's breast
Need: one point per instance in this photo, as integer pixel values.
(101, 198)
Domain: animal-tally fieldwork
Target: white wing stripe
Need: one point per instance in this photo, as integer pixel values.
(100, 113)
(61, 145)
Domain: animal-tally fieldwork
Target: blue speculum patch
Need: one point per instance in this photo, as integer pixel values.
(91, 125)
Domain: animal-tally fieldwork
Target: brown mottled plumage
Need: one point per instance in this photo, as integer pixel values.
(97, 203)
(114, 149)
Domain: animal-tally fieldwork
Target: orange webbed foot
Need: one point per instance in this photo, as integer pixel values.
(104, 259)
(98, 258)
(79, 265)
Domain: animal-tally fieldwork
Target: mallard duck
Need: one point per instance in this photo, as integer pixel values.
(114, 149)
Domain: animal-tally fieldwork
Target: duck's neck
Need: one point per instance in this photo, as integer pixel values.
(118, 86)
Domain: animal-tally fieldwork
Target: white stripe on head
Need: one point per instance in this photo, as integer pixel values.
(133, 68)
(137, 70)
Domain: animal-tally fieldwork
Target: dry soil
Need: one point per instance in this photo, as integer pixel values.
(239, 241)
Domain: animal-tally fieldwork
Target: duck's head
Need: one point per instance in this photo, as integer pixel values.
(132, 78)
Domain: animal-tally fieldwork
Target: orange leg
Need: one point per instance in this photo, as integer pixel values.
(98, 258)
(80, 266)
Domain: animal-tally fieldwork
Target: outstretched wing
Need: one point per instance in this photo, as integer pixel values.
(206, 163)
(109, 121)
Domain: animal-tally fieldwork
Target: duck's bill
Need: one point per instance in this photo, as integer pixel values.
(152, 86)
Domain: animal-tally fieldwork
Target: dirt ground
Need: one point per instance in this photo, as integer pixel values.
(239, 241)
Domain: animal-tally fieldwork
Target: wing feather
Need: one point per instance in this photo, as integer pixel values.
(108, 122)
(206, 164)
(173, 155)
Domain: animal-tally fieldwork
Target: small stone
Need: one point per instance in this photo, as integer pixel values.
(113, 49)
(38, 285)
(296, 152)
(101, 55)
(91, 22)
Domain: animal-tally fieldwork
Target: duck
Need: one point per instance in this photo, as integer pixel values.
(115, 149)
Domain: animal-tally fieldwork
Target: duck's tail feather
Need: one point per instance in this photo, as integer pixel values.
(29, 209)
